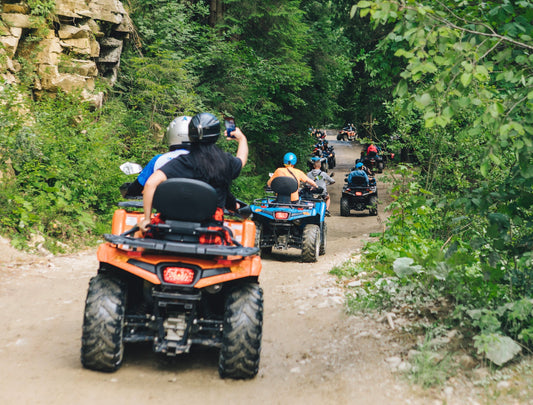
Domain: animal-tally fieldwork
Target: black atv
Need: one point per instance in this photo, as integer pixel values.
(359, 196)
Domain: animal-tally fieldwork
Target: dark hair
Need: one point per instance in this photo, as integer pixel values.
(210, 164)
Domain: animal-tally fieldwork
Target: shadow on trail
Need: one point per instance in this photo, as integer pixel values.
(141, 356)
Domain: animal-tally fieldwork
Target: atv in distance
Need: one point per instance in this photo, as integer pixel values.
(359, 196)
(282, 224)
(190, 280)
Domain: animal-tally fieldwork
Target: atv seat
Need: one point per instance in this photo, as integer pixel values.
(185, 200)
(186, 208)
(284, 186)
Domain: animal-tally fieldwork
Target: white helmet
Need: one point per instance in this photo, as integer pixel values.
(178, 130)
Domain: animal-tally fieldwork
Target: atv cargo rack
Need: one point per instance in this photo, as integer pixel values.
(127, 241)
(183, 248)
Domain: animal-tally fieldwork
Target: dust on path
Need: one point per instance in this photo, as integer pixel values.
(312, 352)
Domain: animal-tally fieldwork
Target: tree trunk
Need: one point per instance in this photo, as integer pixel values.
(216, 12)
(213, 12)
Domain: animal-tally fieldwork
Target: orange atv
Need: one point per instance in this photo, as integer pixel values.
(192, 280)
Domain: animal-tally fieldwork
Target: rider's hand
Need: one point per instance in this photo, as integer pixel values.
(144, 224)
(236, 134)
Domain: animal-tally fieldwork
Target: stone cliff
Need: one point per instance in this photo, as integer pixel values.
(80, 41)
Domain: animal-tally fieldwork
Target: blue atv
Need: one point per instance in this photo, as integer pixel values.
(283, 224)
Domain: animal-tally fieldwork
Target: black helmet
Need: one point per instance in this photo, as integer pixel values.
(204, 128)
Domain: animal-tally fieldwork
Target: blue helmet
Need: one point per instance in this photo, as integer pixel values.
(289, 159)
(358, 165)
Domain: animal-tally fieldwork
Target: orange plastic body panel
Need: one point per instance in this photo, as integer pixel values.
(125, 220)
(241, 267)
(243, 231)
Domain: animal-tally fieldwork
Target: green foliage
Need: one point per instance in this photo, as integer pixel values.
(275, 66)
(429, 266)
(61, 172)
(42, 8)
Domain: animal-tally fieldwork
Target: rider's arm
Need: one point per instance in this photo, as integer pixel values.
(304, 179)
(242, 150)
(148, 197)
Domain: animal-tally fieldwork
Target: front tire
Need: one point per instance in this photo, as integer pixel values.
(310, 243)
(243, 329)
(345, 207)
(102, 347)
(323, 239)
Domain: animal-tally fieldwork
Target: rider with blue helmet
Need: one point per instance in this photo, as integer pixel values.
(358, 172)
(288, 170)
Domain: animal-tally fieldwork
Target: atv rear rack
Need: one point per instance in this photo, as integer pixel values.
(180, 247)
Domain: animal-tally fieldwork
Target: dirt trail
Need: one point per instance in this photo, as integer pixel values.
(312, 352)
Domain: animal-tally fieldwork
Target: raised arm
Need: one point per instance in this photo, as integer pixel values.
(242, 149)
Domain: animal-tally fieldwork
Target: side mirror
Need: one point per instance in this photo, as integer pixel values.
(131, 168)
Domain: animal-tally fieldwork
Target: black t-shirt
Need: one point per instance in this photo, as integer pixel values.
(183, 166)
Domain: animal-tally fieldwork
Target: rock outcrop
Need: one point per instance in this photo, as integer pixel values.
(83, 41)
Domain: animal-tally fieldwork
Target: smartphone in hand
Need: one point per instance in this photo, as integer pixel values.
(229, 123)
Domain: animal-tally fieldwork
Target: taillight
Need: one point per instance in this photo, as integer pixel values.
(358, 193)
(281, 215)
(178, 275)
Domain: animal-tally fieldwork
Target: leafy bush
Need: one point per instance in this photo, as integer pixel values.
(62, 168)
(428, 267)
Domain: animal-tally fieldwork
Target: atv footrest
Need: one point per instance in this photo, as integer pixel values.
(183, 248)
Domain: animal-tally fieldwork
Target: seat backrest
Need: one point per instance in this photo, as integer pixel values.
(185, 200)
(284, 187)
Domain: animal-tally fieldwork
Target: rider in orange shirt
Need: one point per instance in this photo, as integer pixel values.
(289, 160)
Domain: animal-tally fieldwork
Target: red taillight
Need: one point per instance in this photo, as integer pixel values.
(281, 215)
(358, 193)
(178, 275)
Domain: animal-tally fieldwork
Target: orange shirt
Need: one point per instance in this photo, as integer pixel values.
(286, 172)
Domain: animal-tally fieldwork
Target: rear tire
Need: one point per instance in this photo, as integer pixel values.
(345, 207)
(323, 239)
(373, 204)
(310, 243)
(102, 347)
(243, 329)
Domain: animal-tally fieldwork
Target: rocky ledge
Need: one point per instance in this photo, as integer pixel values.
(81, 41)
